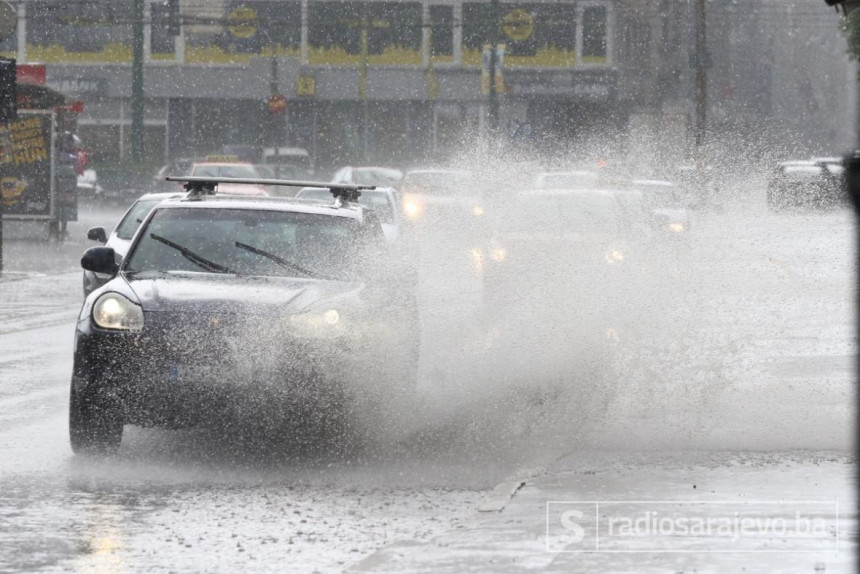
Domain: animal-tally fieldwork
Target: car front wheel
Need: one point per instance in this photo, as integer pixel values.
(95, 423)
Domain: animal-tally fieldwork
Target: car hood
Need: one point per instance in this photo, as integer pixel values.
(250, 296)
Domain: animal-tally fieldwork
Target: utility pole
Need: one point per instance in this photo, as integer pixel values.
(494, 48)
(702, 60)
(362, 84)
(137, 111)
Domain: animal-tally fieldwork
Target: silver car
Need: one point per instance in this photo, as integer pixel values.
(120, 238)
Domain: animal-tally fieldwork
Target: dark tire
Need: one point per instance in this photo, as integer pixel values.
(95, 423)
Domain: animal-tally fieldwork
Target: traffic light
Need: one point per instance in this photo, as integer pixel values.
(174, 18)
(8, 91)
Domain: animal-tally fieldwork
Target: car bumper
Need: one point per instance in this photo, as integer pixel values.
(174, 378)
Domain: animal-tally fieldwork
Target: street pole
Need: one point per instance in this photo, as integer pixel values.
(701, 84)
(137, 110)
(362, 84)
(494, 48)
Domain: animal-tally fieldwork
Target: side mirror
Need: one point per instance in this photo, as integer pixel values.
(97, 234)
(100, 260)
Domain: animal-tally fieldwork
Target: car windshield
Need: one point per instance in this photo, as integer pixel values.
(246, 242)
(134, 217)
(556, 214)
(376, 200)
(243, 171)
(440, 183)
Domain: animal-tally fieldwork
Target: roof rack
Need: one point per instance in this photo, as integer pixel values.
(199, 186)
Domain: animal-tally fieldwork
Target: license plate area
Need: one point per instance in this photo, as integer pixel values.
(201, 373)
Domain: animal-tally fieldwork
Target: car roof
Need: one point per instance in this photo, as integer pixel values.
(161, 195)
(254, 203)
(799, 163)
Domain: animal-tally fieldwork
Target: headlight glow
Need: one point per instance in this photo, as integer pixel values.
(477, 211)
(614, 256)
(113, 311)
(412, 208)
(318, 325)
(499, 254)
(675, 227)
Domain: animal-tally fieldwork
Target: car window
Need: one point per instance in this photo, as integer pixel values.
(134, 217)
(265, 172)
(248, 242)
(802, 171)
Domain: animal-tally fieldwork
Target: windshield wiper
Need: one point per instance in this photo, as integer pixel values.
(201, 262)
(279, 260)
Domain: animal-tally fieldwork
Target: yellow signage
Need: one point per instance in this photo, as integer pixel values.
(518, 25)
(306, 86)
(242, 22)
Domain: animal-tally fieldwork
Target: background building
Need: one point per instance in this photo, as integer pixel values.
(398, 81)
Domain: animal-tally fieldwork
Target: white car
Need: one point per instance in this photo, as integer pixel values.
(384, 201)
(120, 237)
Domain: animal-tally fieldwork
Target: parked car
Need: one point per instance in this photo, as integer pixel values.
(224, 301)
(807, 183)
(121, 236)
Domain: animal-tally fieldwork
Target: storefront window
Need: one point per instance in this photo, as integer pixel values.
(442, 33)
(58, 30)
(532, 34)
(594, 35)
(393, 32)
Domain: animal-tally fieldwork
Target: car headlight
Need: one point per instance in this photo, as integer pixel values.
(412, 208)
(477, 211)
(498, 254)
(614, 257)
(327, 324)
(675, 227)
(113, 311)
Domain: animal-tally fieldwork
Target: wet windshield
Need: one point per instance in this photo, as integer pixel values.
(245, 242)
(134, 217)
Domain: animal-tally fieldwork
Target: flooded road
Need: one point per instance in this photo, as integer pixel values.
(730, 379)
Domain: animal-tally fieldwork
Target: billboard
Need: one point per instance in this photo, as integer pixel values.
(26, 170)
